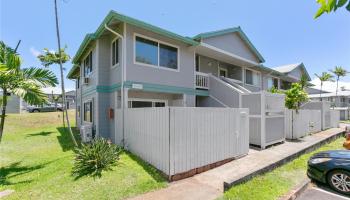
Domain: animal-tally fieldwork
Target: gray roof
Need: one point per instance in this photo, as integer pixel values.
(331, 94)
(287, 68)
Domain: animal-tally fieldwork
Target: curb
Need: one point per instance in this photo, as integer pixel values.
(228, 185)
(292, 195)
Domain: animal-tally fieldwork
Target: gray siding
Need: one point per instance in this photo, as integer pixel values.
(13, 104)
(136, 72)
(296, 73)
(232, 43)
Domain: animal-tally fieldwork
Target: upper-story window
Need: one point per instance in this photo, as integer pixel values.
(155, 53)
(88, 64)
(115, 52)
(252, 77)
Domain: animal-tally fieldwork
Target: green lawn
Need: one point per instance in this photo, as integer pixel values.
(278, 182)
(36, 159)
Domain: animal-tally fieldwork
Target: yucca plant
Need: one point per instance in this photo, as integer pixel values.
(93, 158)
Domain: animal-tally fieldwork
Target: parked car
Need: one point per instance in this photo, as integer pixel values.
(332, 168)
(50, 107)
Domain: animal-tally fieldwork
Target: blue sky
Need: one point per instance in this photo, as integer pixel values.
(284, 33)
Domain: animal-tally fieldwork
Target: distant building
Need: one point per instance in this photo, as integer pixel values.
(340, 102)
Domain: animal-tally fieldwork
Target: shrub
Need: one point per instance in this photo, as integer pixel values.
(295, 96)
(93, 158)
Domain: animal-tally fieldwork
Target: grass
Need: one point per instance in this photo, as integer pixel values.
(36, 159)
(278, 182)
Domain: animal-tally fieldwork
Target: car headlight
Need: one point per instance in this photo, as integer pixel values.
(319, 160)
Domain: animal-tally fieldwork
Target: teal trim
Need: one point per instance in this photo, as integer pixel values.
(106, 89)
(202, 92)
(149, 87)
(216, 33)
(161, 88)
(232, 30)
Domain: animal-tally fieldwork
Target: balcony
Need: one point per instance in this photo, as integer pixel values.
(202, 80)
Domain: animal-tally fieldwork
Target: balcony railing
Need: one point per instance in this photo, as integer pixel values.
(202, 80)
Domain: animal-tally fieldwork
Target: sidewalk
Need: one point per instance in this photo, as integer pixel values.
(210, 184)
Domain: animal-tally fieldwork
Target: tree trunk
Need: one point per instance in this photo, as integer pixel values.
(321, 92)
(62, 78)
(336, 94)
(3, 112)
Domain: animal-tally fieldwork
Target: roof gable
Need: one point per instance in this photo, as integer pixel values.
(289, 69)
(237, 30)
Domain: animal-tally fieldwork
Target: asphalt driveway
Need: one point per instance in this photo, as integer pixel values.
(320, 193)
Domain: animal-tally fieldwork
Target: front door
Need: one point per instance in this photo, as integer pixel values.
(223, 72)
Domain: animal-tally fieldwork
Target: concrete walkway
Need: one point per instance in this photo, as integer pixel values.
(210, 184)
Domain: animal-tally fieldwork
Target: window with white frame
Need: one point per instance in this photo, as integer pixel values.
(252, 77)
(155, 53)
(144, 103)
(88, 111)
(115, 52)
(88, 65)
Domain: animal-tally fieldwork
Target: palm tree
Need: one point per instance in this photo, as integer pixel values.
(304, 82)
(338, 72)
(25, 83)
(325, 76)
(61, 57)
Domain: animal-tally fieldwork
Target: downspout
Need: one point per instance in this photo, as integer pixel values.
(122, 72)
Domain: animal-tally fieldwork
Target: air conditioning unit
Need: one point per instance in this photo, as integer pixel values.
(86, 133)
(86, 80)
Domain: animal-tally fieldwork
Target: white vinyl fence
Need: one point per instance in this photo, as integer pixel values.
(302, 123)
(266, 117)
(179, 139)
(334, 118)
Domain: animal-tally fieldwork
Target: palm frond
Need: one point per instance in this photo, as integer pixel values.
(42, 76)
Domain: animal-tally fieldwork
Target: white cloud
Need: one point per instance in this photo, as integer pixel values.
(34, 52)
(330, 86)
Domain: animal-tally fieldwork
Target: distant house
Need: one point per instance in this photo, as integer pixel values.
(70, 98)
(15, 104)
(294, 71)
(339, 101)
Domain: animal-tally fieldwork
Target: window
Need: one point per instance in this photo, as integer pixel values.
(78, 111)
(146, 103)
(197, 63)
(146, 51)
(78, 82)
(88, 64)
(88, 111)
(342, 100)
(167, 56)
(115, 52)
(252, 78)
(222, 72)
(272, 82)
(285, 85)
(153, 53)
(275, 82)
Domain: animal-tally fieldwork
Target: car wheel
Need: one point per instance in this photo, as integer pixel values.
(36, 111)
(339, 180)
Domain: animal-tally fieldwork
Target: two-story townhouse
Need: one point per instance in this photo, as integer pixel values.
(127, 63)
